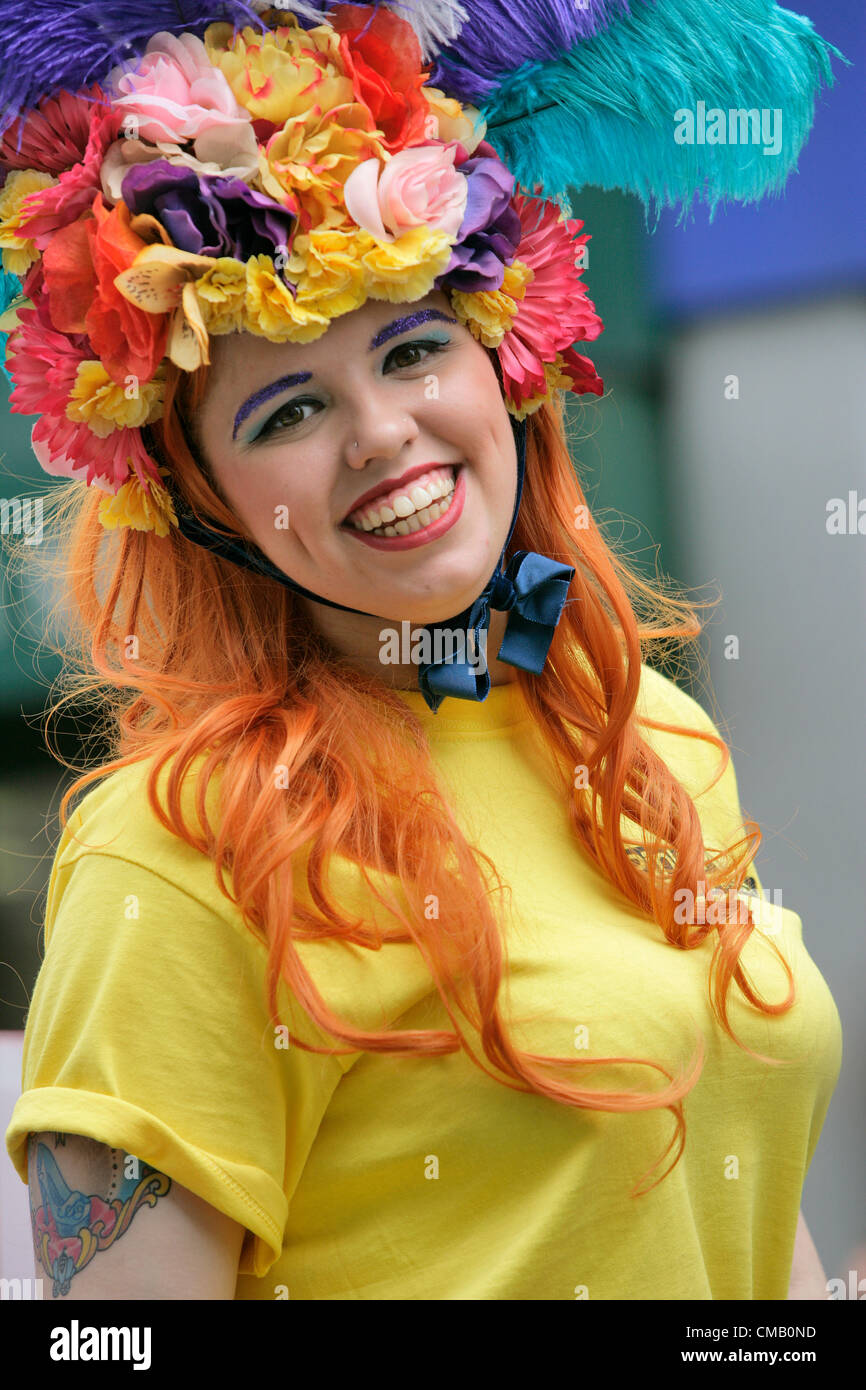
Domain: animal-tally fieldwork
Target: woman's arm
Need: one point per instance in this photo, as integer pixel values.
(808, 1279)
(147, 1237)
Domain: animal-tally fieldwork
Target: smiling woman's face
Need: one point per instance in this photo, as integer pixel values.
(337, 435)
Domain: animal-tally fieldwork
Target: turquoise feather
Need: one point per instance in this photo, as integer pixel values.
(604, 113)
(10, 288)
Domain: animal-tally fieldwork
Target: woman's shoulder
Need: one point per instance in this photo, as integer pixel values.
(115, 819)
(704, 769)
(664, 699)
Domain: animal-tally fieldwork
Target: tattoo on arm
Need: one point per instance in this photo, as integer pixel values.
(70, 1227)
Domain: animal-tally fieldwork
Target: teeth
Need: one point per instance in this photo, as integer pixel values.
(403, 506)
(439, 486)
(414, 522)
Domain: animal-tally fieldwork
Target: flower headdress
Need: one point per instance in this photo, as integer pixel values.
(177, 169)
(265, 181)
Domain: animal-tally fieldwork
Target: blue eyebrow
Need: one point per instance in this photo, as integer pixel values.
(257, 398)
(410, 321)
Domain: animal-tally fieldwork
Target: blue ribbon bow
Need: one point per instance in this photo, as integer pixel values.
(533, 589)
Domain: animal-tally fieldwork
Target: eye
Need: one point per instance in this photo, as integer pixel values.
(284, 414)
(418, 346)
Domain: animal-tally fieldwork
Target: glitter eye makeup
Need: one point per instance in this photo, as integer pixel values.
(432, 344)
(265, 394)
(390, 330)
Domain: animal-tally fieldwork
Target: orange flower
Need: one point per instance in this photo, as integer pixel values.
(128, 340)
(382, 56)
(80, 263)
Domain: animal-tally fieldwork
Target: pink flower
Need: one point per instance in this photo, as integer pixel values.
(175, 92)
(417, 187)
(555, 311)
(56, 207)
(53, 136)
(63, 448)
(44, 364)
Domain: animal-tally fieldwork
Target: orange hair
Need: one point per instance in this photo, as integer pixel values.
(229, 667)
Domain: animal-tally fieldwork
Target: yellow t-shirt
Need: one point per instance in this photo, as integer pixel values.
(373, 1177)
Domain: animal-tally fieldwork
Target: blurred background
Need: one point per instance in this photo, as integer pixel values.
(734, 362)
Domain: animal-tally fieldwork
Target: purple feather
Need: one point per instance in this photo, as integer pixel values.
(46, 45)
(500, 35)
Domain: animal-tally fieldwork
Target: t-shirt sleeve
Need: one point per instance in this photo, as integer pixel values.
(148, 1030)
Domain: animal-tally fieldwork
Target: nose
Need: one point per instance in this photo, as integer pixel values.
(379, 428)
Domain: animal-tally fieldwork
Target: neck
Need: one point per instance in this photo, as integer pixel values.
(378, 646)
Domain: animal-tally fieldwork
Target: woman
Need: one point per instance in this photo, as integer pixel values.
(356, 953)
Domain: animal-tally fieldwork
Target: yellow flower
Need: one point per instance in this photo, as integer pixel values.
(97, 401)
(272, 311)
(529, 406)
(280, 74)
(19, 252)
(305, 165)
(404, 270)
(140, 510)
(489, 314)
(221, 292)
(453, 120)
(327, 270)
(555, 380)
(161, 280)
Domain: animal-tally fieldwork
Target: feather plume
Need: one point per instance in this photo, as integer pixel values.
(501, 35)
(46, 46)
(605, 112)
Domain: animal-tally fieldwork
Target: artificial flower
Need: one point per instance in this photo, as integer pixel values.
(19, 251)
(326, 268)
(97, 401)
(283, 74)
(416, 187)
(381, 54)
(53, 136)
(141, 508)
(491, 230)
(64, 449)
(272, 311)
(208, 216)
(450, 120)
(45, 361)
(174, 93)
(404, 270)
(128, 340)
(161, 282)
(73, 194)
(221, 292)
(490, 314)
(231, 152)
(554, 311)
(305, 165)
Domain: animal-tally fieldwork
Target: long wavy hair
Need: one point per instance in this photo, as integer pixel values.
(227, 668)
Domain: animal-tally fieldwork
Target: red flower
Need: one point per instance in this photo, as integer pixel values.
(81, 262)
(53, 135)
(382, 57)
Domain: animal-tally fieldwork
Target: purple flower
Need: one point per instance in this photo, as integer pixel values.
(490, 231)
(206, 214)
